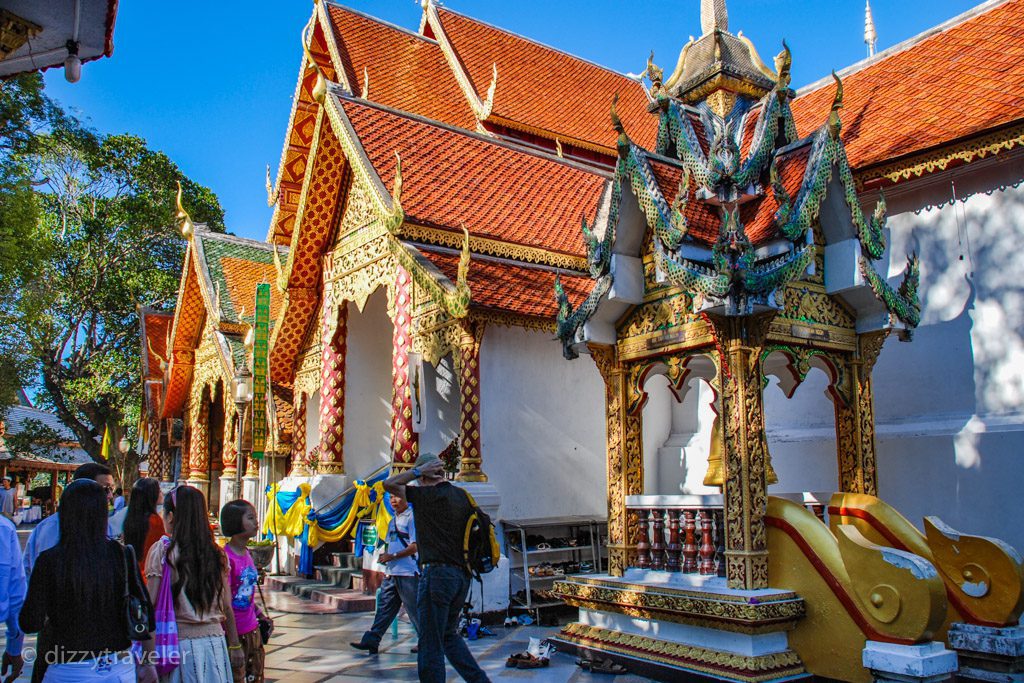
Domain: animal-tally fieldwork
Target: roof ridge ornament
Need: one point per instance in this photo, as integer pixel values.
(870, 34)
(835, 124)
(163, 361)
(488, 103)
(783, 64)
(282, 278)
(185, 224)
(365, 94)
(713, 16)
(272, 193)
(319, 90)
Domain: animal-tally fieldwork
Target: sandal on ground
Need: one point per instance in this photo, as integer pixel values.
(601, 666)
(531, 662)
(514, 660)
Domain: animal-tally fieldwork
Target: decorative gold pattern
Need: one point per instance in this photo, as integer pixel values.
(746, 454)
(966, 151)
(708, 610)
(758, 668)
(855, 420)
(467, 366)
(482, 245)
(625, 458)
(15, 32)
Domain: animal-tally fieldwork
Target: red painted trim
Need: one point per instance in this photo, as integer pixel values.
(951, 594)
(848, 602)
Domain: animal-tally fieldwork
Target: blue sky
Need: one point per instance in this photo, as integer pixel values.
(210, 83)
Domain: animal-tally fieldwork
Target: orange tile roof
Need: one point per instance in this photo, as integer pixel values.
(451, 177)
(962, 81)
(545, 89)
(405, 70)
(702, 219)
(510, 288)
(155, 326)
(758, 217)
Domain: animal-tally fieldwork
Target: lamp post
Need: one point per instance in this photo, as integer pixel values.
(241, 391)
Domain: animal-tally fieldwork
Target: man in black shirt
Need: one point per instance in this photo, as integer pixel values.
(441, 513)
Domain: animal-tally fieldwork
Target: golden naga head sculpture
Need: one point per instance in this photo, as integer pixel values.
(656, 74)
(783, 64)
(185, 224)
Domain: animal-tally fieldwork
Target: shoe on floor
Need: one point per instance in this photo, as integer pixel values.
(367, 647)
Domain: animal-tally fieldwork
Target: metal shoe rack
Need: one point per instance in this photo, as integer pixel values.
(523, 555)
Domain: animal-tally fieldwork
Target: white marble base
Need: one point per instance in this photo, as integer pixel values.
(748, 645)
(892, 663)
(201, 484)
(988, 653)
(227, 489)
(251, 489)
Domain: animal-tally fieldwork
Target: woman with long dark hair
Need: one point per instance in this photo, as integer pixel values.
(198, 572)
(78, 587)
(143, 525)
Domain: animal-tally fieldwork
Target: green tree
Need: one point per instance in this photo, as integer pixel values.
(104, 215)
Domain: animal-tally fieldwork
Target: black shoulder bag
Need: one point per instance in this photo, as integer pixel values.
(135, 608)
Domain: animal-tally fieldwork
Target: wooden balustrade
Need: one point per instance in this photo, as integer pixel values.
(686, 533)
(678, 538)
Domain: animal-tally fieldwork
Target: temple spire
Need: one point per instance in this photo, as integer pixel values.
(713, 16)
(870, 35)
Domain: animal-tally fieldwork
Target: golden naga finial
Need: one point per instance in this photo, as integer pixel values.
(366, 84)
(783, 63)
(282, 277)
(163, 361)
(835, 125)
(185, 224)
(488, 103)
(655, 73)
(272, 194)
(396, 195)
(319, 91)
(463, 272)
(558, 148)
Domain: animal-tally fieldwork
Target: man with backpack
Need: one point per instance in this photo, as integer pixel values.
(443, 514)
(401, 577)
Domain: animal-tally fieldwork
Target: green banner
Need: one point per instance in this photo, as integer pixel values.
(260, 347)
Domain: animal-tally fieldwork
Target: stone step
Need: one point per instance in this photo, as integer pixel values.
(346, 560)
(283, 583)
(338, 576)
(344, 599)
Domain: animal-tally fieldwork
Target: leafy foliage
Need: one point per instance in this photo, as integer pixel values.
(96, 224)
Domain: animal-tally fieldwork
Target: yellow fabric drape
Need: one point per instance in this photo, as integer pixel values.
(286, 523)
(368, 503)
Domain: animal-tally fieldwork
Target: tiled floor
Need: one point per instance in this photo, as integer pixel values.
(313, 648)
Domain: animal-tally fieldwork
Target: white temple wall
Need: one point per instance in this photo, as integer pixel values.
(543, 432)
(368, 387)
(440, 402)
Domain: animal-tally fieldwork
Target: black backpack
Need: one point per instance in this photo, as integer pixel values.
(480, 543)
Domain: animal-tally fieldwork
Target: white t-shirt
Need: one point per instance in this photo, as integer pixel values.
(407, 565)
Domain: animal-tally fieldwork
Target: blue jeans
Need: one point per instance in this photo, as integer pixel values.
(395, 591)
(443, 591)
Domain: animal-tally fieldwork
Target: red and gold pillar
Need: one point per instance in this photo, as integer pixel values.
(229, 456)
(299, 467)
(405, 445)
(332, 388)
(199, 450)
(156, 455)
(166, 462)
(468, 359)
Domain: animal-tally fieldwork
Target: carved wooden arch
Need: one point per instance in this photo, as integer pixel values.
(677, 368)
(799, 362)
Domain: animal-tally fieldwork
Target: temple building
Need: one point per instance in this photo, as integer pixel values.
(189, 359)
(462, 216)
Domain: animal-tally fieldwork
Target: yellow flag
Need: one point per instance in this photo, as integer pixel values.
(107, 449)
